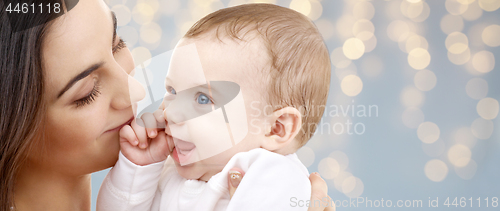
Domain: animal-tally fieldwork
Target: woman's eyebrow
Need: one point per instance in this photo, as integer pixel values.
(80, 76)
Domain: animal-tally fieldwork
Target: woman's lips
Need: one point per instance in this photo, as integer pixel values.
(120, 127)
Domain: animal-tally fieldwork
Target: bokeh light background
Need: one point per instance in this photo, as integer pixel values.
(428, 67)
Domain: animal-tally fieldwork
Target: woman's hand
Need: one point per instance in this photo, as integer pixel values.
(319, 189)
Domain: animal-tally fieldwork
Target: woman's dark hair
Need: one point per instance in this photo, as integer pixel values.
(21, 93)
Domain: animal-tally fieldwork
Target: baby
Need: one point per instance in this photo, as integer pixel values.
(242, 90)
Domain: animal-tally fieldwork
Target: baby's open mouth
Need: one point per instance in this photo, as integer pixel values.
(182, 150)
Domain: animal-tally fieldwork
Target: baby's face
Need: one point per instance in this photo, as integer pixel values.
(204, 131)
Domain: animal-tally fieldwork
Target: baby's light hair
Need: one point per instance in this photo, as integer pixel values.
(299, 75)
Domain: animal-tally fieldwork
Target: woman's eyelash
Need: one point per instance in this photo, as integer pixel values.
(89, 98)
(121, 44)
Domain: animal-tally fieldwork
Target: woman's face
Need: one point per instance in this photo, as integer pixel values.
(86, 91)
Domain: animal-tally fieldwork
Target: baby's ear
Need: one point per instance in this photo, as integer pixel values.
(285, 125)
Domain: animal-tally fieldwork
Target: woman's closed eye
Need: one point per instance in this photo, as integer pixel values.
(121, 44)
(202, 98)
(90, 97)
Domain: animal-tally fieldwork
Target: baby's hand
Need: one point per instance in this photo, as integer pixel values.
(143, 142)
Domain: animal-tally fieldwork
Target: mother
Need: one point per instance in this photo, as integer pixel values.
(64, 96)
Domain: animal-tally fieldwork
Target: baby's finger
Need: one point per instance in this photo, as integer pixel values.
(160, 119)
(140, 132)
(150, 124)
(128, 135)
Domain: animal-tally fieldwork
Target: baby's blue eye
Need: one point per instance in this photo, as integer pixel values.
(171, 90)
(203, 99)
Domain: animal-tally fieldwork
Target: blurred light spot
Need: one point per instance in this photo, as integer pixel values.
(482, 128)
(491, 35)
(216, 5)
(459, 59)
(143, 13)
(428, 132)
(470, 69)
(351, 69)
(129, 34)
(473, 12)
(464, 136)
(489, 5)
(353, 48)
(467, 172)
(233, 3)
(263, 1)
(302, 6)
(425, 80)
(355, 185)
(316, 10)
(412, 97)
(349, 184)
(185, 27)
(123, 14)
(338, 58)
(475, 35)
(419, 58)
(339, 180)
(351, 85)
(426, 11)
(329, 168)
(363, 29)
(113, 2)
(452, 23)
(435, 149)
(415, 41)
(141, 56)
(198, 12)
(412, 117)
(325, 27)
(155, 4)
(372, 66)
(344, 26)
(454, 7)
(151, 32)
(483, 61)
(487, 108)
(459, 155)
(392, 10)
(457, 42)
(306, 155)
(370, 44)
(477, 88)
(363, 10)
(436, 170)
(169, 7)
(411, 10)
(398, 29)
(341, 158)
(466, 1)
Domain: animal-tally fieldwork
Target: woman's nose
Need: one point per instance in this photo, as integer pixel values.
(128, 90)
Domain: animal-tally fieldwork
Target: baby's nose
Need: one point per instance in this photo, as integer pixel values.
(173, 116)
